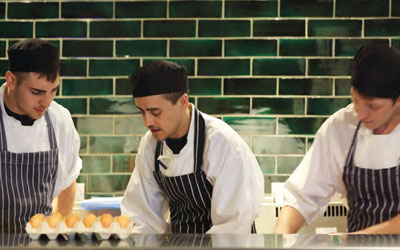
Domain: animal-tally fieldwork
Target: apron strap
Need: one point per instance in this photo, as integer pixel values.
(199, 139)
(3, 139)
(156, 155)
(350, 154)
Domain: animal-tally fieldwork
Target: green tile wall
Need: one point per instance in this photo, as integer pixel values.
(274, 70)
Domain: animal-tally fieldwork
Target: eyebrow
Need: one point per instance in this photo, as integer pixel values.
(43, 91)
(149, 109)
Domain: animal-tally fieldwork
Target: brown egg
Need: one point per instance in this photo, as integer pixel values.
(71, 220)
(123, 221)
(54, 219)
(89, 220)
(36, 220)
(106, 220)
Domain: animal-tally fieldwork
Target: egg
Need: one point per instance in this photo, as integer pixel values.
(54, 219)
(36, 220)
(123, 221)
(89, 220)
(106, 220)
(71, 220)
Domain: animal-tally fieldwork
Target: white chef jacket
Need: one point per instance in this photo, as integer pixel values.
(319, 175)
(229, 164)
(35, 138)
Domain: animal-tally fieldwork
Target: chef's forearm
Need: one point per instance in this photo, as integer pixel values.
(289, 221)
(66, 199)
(391, 226)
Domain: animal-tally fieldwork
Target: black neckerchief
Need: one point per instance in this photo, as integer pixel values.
(24, 119)
(177, 144)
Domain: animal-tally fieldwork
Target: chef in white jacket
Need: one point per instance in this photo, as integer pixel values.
(189, 163)
(356, 153)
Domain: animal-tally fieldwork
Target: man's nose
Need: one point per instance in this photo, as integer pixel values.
(148, 120)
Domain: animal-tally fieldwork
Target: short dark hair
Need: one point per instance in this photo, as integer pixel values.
(376, 71)
(174, 97)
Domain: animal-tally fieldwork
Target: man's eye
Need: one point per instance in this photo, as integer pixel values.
(156, 113)
(35, 92)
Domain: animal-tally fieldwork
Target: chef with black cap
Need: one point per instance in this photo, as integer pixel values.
(38, 142)
(356, 153)
(191, 163)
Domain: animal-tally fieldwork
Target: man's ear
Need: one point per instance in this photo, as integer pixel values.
(11, 80)
(184, 100)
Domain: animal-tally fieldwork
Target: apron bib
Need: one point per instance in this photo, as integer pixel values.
(373, 195)
(27, 182)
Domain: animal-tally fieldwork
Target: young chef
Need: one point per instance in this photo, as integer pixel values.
(190, 162)
(355, 152)
(39, 144)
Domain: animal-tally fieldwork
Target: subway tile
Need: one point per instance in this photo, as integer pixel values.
(2, 10)
(338, 28)
(362, 8)
(278, 67)
(305, 86)
(195, 48)
(251, 8)
(269, 179)
(278, 145)
(84, 144)
(205, 86)
(224, 67)
(224, 105)
(123, 163)
(141, 9)
(286, 165)
(3, 45)
(249, 86)
(11, 42)
(3, 67)
(224, 28)
(287, 106)
(169, 28)
(112, 67)
(306, 8)
(252, 125)
(94, 125)
(93, 48)
(112, 106)
(16, 29)
(342, 87)
(77, 106)
(326, 67)
(82, 178)
(326, 106)
(96, 164)
(31, 10)
(141, 48)
(115, 29)
(349, 47)
(73, 67)
(278, 28)
(396, 43)
(129, 125)
(310, 141)
(395, 7)
(123, 86)
(267, 164)
(188, 63)
(97, 195)
(382, 27)
(87, 10)
(250, 47)
(299, 126)
(61, 29)
(87, 87)
(305, 47)
(107, 182)
(195, 9)
(113, 144)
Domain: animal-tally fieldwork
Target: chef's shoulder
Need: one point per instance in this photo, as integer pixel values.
(60, 116)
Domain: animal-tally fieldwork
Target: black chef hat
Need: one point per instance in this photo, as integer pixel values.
(159, 77)
(33, 55)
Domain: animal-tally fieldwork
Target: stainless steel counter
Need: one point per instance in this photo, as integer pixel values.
(266, 241)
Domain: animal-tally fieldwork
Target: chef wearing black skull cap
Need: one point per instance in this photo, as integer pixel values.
(189, 162)
(38, 142)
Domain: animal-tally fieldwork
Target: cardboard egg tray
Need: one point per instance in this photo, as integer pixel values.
(100, 232)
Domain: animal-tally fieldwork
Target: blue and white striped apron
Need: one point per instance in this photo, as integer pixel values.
(373, 195)
(189, 195)
(27, 182)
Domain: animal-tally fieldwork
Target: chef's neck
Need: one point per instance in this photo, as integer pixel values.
(389, 125)
(184, 125)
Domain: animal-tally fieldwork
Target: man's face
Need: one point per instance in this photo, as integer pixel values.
(33, 95)
(161, 117)
(374, 113)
